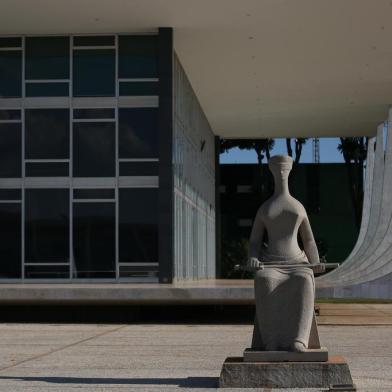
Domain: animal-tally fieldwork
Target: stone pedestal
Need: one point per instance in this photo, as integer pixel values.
(310, 355)
(239, 374)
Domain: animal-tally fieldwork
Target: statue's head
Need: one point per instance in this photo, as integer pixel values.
(280, 166)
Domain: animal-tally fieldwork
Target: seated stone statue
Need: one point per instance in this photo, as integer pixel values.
(284, 286)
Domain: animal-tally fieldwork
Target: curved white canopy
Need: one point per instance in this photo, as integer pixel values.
(259, 67)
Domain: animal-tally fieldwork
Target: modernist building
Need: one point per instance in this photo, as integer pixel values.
(106, 161)
(110, 110)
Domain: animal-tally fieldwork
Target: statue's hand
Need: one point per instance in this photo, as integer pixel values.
(254, 262)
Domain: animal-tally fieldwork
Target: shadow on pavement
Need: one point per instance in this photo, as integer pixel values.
(188, 382)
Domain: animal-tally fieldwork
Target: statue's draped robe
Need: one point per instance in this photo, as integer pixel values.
(284, 310)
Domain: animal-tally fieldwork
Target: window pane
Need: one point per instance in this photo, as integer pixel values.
(138, 56)
(47, 225)
(47, 133)
(138, 271)
(47, 89)
(98, 40)
(10, 42)
(94, 240)
(47, 58)
(47, 272)
(93, 113)
(10, 244)
(139, 168)
(47, 169)
(94, 194)
(10, 194)
(94, 150)
(10, 114)
(10, 150)
(139, 88)
(10, 74)
(94, 73)
(138, 133)
(138, 229)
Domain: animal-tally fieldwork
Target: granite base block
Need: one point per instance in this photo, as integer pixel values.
(311, 355)
(239, 374)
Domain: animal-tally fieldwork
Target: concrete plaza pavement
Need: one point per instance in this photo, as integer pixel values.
(355, 314)
(161, 357)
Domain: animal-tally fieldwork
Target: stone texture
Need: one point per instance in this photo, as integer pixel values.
(238, 374)
(310, 355)
(284, 290)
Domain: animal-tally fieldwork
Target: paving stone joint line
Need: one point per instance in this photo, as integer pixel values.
(62, 348)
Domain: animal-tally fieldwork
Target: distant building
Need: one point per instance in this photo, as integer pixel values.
(323, 189)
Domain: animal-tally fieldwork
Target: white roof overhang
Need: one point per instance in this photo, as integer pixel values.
(261, 68)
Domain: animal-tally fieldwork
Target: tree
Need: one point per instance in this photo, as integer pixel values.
(354, 150)
(259, 145)
(298, 143)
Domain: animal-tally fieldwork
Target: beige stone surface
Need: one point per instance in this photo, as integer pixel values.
(150, 357)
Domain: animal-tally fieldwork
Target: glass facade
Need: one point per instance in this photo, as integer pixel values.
(10, 149)
(47, 58)
(79, 157)
(87, 73)
(10, 74)
(94, 149)
(46, 226)
(10, 245)
(94, 240)
(46, 134)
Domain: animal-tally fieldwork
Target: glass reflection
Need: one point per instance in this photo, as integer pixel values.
(10, 194)
(139, 169)
(138, 226)
(13, 114)
(10, 150)
(93, 113)
(47, 169)
(10, 244)
(47, 58)
(10, 74)
(139, 88)
(94, 73)
(47, 134)
(138, 56)
(94, 193)
(94, 150)
(138, 133)
(47, 225)
(47, 271)
(47, 90)
(10, 42)
(91, 40)
(94, 240)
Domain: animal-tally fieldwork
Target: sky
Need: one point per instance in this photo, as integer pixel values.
(328, 152)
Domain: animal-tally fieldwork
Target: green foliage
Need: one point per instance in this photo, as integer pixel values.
(260, 146)
(234, 251)
(322, 248)
(354, 149)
